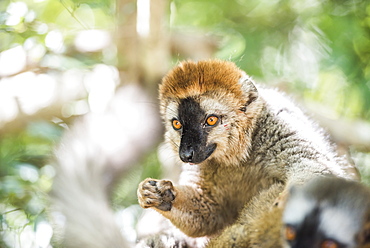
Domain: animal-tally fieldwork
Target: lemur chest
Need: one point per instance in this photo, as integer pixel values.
(235, 184)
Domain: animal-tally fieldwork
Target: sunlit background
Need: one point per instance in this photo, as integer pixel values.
(63, 61)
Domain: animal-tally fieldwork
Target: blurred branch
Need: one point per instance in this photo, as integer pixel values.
(156, 54)
(71, 12)
(147, 54)
(22, 119)
(127, 40)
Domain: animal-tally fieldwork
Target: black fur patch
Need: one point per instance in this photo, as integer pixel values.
(193, 146)
(309, 234)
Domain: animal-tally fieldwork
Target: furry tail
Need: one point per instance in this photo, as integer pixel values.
(92, 156)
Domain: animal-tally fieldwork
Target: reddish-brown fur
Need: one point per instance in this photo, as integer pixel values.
(193, 79)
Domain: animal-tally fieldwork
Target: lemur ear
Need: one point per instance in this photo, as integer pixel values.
(249, 90)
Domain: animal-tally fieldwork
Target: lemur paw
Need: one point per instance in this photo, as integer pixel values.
(156, 193)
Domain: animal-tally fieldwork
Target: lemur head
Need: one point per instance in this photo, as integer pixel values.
(208, 108)
(327, 212)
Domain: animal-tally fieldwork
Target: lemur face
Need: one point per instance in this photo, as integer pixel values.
(194, 125)
(203, 106)
(327, 212)
(199, 127)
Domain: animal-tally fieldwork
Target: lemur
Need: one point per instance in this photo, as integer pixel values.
(235, 139)
(327, 212)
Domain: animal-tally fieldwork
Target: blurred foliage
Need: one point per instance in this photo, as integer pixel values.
(319, 50)
(25, 177)
(306, 43)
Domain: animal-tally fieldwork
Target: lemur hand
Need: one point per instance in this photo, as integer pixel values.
(156, 193)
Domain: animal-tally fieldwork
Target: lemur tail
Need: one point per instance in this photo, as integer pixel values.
(95, 153)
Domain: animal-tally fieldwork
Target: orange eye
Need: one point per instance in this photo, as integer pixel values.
(176, 124)
(212, 120)
(290, 233)
(329, 244)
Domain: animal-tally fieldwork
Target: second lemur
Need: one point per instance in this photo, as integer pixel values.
(235, 139)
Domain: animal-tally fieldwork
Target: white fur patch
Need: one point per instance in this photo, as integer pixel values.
(337, 223)
(297, 208)
(172, 110)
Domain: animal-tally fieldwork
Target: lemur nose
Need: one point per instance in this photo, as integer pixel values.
(187, 154)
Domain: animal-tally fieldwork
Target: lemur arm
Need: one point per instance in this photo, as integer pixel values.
(187, 207)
